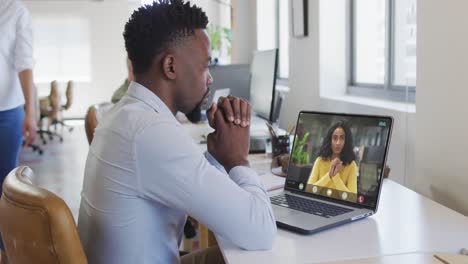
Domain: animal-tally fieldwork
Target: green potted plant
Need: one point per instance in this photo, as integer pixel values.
(300, 167)
(217, 35)
(299, 155)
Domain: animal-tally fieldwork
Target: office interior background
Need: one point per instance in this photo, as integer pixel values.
(412, 70)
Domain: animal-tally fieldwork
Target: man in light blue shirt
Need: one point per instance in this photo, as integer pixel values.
(144, 174)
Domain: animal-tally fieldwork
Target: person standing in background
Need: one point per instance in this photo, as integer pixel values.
(17, 93)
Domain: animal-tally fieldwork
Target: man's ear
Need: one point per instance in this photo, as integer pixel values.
(168, 66)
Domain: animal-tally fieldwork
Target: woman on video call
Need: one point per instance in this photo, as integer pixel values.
(335, 167)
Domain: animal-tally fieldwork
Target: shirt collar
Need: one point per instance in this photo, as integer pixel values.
(143, 94)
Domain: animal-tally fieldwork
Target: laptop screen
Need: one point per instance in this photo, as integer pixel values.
(339, 156)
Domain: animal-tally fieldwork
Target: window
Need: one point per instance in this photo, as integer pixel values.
(273, 31)
(383, 49)
(283, 17)
(62, 49)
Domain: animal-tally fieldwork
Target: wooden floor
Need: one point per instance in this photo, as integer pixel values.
(60, 168)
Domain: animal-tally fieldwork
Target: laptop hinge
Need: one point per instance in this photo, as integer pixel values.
(304, 194)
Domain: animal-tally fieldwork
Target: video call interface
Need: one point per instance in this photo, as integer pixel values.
(340, 157)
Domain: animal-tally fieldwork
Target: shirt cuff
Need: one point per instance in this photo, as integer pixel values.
(214, 162)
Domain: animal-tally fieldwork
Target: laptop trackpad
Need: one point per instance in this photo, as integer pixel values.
(284, 213)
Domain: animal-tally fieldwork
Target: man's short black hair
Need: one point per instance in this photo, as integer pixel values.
(153, 28)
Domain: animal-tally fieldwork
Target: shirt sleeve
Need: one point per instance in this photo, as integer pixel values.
(315, 178)
(314, 175)
(214, 162)
(173, 171)
(24, 42)
(351, 177)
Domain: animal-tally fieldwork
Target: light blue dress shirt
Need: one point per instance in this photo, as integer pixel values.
(144, 174)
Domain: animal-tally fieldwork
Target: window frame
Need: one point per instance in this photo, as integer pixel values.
(387, 90)
(281, 80)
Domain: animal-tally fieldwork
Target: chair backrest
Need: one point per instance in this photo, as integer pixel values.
(90, 123)
(50, 106)
(36, 225)
(54, 100)
(374, 154)
(69, 95)
(92, 117)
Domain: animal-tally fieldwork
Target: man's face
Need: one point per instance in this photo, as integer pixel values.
(193, 75)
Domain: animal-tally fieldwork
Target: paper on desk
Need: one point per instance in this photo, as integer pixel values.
(272, 182)
(260, 163)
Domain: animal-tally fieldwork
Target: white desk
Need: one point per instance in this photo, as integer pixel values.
(405, 223)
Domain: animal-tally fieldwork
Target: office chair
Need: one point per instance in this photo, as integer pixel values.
(39, 227)
(59, 118)
(49, 108)
(35, 147)
(375, 155)
(92, 117)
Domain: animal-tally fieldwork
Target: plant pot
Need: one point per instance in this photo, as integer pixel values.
(299, 173)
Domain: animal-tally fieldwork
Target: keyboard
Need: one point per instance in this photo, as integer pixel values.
(309, 206)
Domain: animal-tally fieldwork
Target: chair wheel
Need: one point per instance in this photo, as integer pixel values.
(41, 152)
(61, 140)
(44, 142)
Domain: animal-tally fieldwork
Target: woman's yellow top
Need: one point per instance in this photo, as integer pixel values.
(345, 180)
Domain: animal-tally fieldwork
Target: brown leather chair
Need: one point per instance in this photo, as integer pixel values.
(92, 118)
(90, 123)
(36, 225)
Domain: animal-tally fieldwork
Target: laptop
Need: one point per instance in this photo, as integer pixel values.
(335, 171)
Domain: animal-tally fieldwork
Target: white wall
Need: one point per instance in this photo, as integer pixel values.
(441, 149)
(108, 68)
(318, 78)
(304, 81)
(108, 65)
(333, 47)
(244, 31)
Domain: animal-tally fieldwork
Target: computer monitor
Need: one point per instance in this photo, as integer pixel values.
(262, 83)
(233, 76)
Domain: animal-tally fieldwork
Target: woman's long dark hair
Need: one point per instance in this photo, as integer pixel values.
(347, 155)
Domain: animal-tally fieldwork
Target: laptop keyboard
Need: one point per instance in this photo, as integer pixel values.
(308, 206)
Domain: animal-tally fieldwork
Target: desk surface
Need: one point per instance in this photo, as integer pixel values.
(257, 128)
(405, 223)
